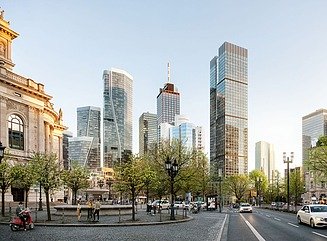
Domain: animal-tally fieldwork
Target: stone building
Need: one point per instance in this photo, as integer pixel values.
(28, 121)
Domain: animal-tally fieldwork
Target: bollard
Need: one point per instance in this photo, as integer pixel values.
(63, 215)
(119, 215)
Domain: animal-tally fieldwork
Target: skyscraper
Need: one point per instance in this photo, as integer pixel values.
(265, 159)
(117, 115)
(229, 109)
(88, 125)
(168, 103)
(148, 132)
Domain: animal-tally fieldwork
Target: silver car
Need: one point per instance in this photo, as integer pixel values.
(314, 214)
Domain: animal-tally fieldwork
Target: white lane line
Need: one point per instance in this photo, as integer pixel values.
(268, 216)
(320, 234)
(221, 229)
(255, 232)
(277, 219)
(293, 225)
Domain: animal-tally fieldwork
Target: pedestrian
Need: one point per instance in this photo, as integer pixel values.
(96, 210)
(90, 209)
(19, 214)
(78, 211)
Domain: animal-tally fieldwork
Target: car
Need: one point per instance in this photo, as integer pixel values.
(245, 207)
(179, 204)
(313, 214)
(163, 204)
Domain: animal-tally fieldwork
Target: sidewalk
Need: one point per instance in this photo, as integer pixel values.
(141, 218)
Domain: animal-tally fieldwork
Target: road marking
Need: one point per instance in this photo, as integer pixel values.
(293, 225)
(221, 229)
(268, 216)
(255, 232)
(277, 219)
(320, 234)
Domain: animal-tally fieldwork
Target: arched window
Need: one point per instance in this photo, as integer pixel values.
(16, 132)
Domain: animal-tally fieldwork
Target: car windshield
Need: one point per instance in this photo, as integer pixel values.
(245, 205)
(317, 209)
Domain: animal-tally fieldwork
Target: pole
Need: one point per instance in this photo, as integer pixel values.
(172, 213)
(220, 195)
(288, 185)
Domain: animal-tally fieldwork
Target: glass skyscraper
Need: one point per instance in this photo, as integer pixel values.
(168, 104)
(117, 115)
(148, 131)
(265, 159)
(229, 109)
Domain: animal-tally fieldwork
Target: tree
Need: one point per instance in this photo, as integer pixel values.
(237, 185)
(296, 185)
(5, 181)
(317, 158)
(23, 177)
(47, 171)
(131, 176)
(76, 178)
(259, 179)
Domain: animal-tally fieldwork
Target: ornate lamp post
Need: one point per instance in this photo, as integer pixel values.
(172, 169)
(288, 160)
(2, 151)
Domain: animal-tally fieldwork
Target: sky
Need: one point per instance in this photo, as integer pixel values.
(66, 45)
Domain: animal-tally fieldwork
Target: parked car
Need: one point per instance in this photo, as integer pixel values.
(314, 214)
(163, 204)
(245, 207)
(179, 204)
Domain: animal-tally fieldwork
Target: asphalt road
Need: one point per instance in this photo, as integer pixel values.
(270, 225)
(206, 226)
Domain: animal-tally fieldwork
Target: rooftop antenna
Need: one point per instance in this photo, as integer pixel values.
(168, 67)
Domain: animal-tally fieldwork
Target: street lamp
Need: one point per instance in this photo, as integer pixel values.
(2, 151)
(172, 169)
(288, 160)
(259, 180)
(219, 180)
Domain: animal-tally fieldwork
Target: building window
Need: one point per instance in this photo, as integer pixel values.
(16, 132)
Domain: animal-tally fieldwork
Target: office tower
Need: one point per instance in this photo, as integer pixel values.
(65, 145)
(199, 138)
(117, 116)
(148, 132)
(184, 132)
(265, 159)
(88, 125)
(168, 103)
(229, 110)
(314, 125)
(79, 149)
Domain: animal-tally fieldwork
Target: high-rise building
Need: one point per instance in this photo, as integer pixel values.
(88, 125)
(79, 149)
(65, 145)
(168, 104)
(148, 132)
(314, 125)
(117, 116)
(199, 138)
(265, 159)
(229, 109)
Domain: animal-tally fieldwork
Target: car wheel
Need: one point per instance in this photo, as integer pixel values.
(312, 223)
(299, 221)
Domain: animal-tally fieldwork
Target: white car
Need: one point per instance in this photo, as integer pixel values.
(163, 204)
(314, 214)
(245, 207)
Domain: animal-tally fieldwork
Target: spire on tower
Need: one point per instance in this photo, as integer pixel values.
(168, 66)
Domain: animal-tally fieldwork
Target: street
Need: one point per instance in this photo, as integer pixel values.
(206, 226)
(265, 224)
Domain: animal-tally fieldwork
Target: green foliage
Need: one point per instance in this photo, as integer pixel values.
(317, 159)
(5, 181)
(259, 180)
(296, 184)
(76, 178)
(237, 185)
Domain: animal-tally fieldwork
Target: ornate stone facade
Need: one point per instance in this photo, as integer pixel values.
(28, 121)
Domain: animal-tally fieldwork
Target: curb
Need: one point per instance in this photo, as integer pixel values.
(107, 224)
